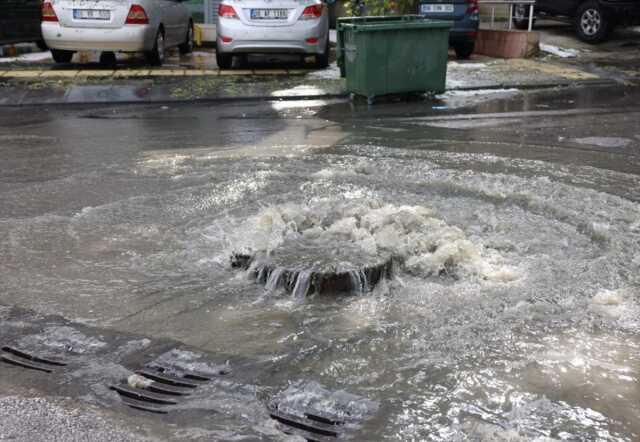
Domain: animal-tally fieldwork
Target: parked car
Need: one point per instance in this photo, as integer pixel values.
(593, 19)
(20, 22)
(149, 26)
(272, 26)
(465, 15)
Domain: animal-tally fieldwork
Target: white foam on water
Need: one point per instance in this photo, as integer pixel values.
(618, 304)
(63, 339)
(427, 245)
(604, 141)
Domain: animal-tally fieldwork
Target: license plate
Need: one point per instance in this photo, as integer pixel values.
(91, 14)
(438, 9)
(269, 14)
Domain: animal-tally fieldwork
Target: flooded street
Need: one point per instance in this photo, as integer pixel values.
(511, 310)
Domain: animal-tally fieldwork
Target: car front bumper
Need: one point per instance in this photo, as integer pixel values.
(129, 38)
(277, 39)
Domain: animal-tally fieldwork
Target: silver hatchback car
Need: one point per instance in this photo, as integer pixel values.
(272, 26)
(149, 26)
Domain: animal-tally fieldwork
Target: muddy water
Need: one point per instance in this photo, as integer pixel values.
(514, 315)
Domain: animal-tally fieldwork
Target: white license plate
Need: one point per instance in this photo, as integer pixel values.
(269, 14)
(91, 14)
(438, 9)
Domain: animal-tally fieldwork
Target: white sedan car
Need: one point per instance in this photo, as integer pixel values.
(272, 26)
(149, 26)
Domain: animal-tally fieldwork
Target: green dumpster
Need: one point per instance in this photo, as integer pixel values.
(393, 55)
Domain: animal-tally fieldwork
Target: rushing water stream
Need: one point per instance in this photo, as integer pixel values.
(512, 312)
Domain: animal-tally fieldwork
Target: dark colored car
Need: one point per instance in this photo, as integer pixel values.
(466, 17)
(20, 21)
(593, 19)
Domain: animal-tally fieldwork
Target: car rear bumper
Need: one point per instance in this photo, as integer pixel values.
(263, 39)
(463, 35)
(132, 38)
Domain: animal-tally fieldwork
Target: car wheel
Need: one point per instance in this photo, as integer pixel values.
(60, 56)
(521, 17)
(155, 56)
(322, 60)
(187, 46)
(224, 60)
(464, 50)
(592, 23)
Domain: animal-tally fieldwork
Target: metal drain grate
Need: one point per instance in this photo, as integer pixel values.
(162, 390)
(23, 359)
(312, 427)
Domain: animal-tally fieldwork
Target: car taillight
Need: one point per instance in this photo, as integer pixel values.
(311, 12)
(227, 11)
(472, 7)
(137, 16)
(48, 14)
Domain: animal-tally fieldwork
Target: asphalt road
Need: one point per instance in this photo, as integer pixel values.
(111, 217)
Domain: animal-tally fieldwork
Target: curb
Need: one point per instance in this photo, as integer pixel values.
(59, 99)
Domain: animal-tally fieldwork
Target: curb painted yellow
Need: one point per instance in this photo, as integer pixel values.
(236, 72)
(128, 73)
(270, 72)
(59, 74)
(24, 74)
(96, 73)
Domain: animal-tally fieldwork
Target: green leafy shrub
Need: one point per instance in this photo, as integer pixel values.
(380, 7)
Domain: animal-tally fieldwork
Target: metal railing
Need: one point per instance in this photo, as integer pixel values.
(510, 4)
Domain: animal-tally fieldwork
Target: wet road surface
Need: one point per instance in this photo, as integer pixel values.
(514, 313)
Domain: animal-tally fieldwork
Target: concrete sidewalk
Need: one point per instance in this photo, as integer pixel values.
(30, 87)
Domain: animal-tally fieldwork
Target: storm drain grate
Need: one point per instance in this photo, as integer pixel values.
(156, 388)
(313, 427)
(23, 359)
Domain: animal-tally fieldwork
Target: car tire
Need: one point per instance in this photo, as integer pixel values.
(42, 45)
(60, 56)
(187, 46)
(521, 17)
(155, 56)
(224, 61)
(322, 60)
(592, 23)
(464, 50)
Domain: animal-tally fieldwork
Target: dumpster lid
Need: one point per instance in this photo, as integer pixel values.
(367, 24)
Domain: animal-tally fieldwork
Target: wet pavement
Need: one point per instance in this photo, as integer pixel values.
(34, 79)
(515, 216)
